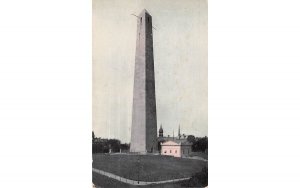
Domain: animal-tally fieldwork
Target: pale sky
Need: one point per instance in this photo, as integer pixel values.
(180, 60)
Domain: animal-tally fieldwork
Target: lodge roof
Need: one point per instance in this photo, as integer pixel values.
(176, 142)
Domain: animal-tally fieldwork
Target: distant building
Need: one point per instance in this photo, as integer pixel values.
(176, 148)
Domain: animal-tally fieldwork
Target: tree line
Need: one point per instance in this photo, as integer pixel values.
(199, 144)
(100, 145)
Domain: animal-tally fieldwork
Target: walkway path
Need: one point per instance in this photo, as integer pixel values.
(133, 182)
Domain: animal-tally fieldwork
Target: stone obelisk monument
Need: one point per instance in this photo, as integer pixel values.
(144, 123)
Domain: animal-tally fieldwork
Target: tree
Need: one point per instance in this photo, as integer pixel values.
(191, 138)
(200, 144)
(124, 146)
(93, 136)
(114, 145)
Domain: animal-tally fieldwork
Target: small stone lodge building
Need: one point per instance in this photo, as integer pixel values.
(174, 146)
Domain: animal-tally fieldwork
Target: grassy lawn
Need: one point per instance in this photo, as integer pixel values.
(199, 154)
(150, 168)
(105, 182)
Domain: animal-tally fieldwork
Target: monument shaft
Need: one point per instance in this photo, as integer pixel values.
(144, 122)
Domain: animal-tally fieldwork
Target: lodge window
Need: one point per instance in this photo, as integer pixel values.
(170, 151)
(165, 151)
(175, 151)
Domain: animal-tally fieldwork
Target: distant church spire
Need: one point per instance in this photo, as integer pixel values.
(173, 134)
(179, 132)
(161, 131)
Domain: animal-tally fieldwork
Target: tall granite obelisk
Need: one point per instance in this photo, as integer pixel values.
(144, 123)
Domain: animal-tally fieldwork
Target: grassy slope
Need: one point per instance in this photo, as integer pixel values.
(151, 168)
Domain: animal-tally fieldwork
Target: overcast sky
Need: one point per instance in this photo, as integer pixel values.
(180, 60)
